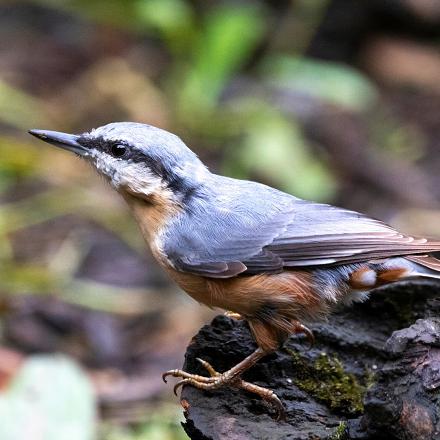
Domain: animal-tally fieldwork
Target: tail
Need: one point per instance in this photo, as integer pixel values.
(377, 273)
(360, 278)
(405, 267)
(423, 266)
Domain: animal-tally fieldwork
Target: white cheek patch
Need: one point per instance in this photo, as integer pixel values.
(104, 164)
(131, 176)
(138, 179)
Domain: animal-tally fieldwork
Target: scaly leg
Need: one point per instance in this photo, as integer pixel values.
(229, 378)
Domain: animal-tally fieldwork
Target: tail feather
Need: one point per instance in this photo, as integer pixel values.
(424, 266)
(426, 261)
(378, 273)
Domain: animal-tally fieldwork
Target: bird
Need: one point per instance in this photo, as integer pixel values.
(265, 256)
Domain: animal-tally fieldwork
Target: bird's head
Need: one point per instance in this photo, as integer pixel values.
(138, 160)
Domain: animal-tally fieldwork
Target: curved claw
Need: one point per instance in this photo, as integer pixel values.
(301, 328)
(267, 395)
(180, 384)
(279, 408)
(168, 373)
(310, 337)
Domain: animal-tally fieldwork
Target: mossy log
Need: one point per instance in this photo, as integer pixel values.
(374, 373)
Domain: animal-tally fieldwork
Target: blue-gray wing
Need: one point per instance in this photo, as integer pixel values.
(251, 228)
(226, 234)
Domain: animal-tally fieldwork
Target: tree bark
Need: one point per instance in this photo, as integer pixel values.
(374, 373)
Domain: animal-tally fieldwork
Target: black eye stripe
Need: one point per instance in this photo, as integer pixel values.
(134, 154)
(122, 150)
(99, 143)
(90, 142)
(116, 149)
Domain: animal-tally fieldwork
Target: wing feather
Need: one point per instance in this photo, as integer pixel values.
(261, 230)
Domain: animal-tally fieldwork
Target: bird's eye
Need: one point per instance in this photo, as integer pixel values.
(118, 150)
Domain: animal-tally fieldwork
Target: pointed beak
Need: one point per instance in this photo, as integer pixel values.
(65, 141)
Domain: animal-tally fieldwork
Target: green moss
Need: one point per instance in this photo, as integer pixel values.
(369, 378)
(340, 432)
(328, 382)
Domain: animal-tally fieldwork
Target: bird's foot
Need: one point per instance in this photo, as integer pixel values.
(226, 379)
(233, 315)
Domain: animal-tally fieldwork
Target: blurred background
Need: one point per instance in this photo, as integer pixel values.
(331, 100)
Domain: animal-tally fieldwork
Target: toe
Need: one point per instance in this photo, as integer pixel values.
(208, 367)
(180, 384)
(184, 375)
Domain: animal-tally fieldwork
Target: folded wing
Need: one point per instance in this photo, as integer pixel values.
(322, 234)
(279, 232)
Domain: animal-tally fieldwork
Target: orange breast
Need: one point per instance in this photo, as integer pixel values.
(152, 216)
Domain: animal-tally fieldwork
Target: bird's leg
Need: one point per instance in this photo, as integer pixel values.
(229, 378)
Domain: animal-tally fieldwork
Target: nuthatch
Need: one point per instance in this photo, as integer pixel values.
(274, 259)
